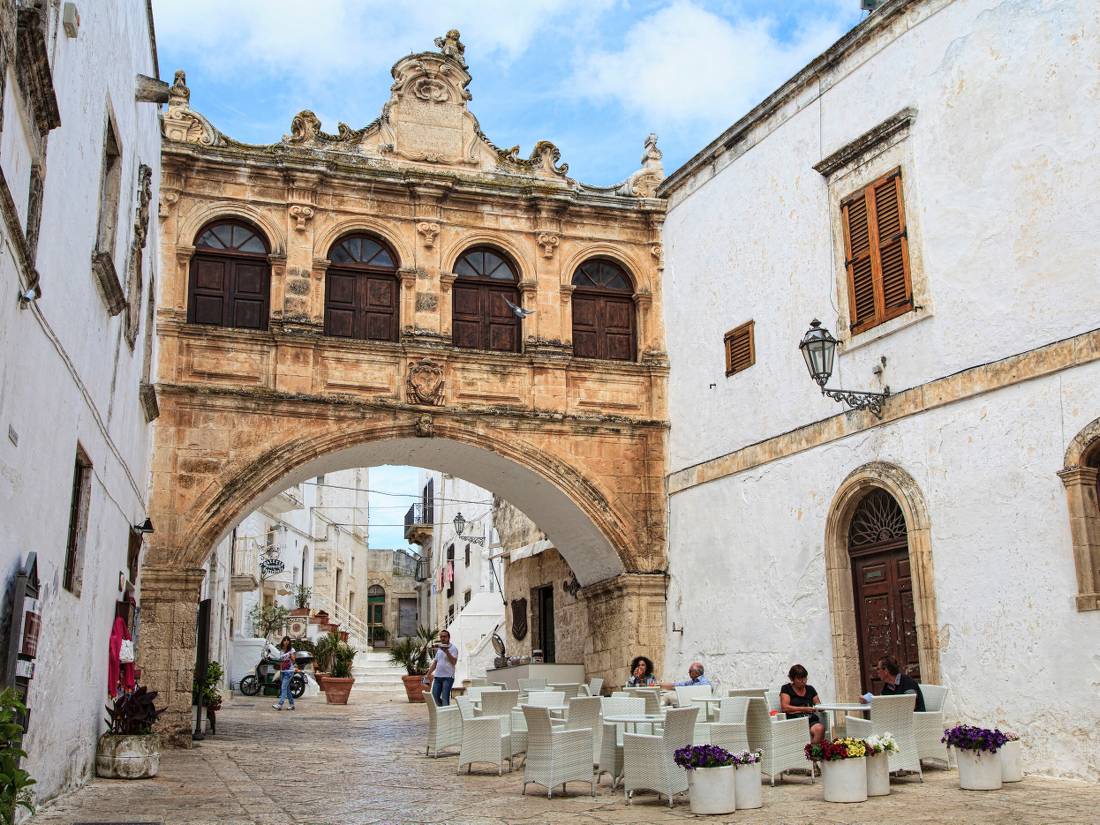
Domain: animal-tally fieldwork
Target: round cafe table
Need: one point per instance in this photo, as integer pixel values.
(634, 719)
(838, 709)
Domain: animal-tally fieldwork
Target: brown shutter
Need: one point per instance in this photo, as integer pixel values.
(893, 253)
(740, 348)
(857, 252)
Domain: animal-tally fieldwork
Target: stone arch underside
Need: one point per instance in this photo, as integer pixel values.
(1080, 475)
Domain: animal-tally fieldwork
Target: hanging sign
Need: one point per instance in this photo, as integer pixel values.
(272, 567)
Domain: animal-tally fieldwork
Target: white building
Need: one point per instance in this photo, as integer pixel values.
(974, 123)
(80, 159)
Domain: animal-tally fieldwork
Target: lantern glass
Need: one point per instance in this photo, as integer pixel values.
(460, 524)
(818, 350)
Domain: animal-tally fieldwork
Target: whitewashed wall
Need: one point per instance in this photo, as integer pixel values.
(1000, 186)
(67, 376)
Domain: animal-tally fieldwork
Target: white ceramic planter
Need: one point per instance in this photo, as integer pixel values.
(712, 790)
(878, 774)
(978, 770)
(1012, 762)
(845, 780)
(747, 782)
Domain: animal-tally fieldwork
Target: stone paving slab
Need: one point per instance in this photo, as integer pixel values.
(364, 763)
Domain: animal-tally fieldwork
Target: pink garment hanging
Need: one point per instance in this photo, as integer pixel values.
(120, 677)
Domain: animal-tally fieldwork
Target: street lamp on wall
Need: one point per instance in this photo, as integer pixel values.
(460, 524)
(819, 350)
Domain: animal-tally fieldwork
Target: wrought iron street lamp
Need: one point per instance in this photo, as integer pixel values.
(819, 349)
(460, 524)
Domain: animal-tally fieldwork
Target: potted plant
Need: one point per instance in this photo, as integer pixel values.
(976, 751)
(15, 782)
(339, 683)
(129, 749)
(324, 657)
(1012, 767)
(710, 778)
(208, 692)
(268, 619)
(411, 653)
(843, 768)
(747, 780)
(879, 748)
(302, 595)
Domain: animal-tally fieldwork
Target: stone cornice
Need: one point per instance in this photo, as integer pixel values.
(33, 69)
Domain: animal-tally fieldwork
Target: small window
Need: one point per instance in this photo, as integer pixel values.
(603, 311)
(480, 316)
(740, 348)
(467, 555)
(110, 189)
(876, 252)
(361, 290)
(466, 597)
(78, 522)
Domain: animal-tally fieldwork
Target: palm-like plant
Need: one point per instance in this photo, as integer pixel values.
(325, 650)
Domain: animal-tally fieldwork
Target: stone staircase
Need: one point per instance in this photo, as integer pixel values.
(374, 673)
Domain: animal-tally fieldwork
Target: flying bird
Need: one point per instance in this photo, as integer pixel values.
(519, 312)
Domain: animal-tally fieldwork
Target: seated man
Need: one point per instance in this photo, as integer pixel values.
(695, 677)
(894, 682)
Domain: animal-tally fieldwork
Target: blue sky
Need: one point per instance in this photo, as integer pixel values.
(595, 77)
(393, 489)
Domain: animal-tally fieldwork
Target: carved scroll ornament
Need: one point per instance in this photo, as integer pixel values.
(425, 383)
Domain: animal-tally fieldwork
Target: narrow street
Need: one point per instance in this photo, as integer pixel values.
(364, 763)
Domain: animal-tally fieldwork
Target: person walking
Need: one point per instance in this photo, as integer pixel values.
(443, 669)
(286, 671)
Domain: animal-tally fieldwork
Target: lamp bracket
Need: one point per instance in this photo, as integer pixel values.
(872, 401)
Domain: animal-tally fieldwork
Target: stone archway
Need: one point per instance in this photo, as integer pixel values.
(838, 571)
(1080, 475)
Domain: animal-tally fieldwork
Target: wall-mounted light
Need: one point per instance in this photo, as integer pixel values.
(143, 528)
(460, 524)
(819, 349)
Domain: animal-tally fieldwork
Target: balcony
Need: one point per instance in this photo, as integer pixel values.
(289, 499)
(418, 525)
(245, 577)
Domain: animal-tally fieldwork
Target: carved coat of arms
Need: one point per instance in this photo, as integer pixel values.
(519, 619)
(425, 383)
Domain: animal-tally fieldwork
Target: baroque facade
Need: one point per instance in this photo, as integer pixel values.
(405, 293)
(929, 219)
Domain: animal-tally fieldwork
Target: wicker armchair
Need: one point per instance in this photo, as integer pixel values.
(611, 737)
(594, 686)
(476, 691)
(652, 698)
(731, 730)
(501, 703)
(444, 727)
(648, 760)
(570, 689)
(892, 714)
(584, 712)
(783, 742)
(532, 684)
(928, 725)
(555, 757)
(484, 739)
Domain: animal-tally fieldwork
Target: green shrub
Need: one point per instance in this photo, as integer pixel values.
(15, 782)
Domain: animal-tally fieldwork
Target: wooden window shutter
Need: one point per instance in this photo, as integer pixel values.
(740, 348)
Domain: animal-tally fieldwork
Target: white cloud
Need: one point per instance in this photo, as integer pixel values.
(686, 63)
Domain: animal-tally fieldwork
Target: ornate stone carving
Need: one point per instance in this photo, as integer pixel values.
(431, 90)
(179, 96)
(304, 128)
(425, 383)
(301, 215)
(181, 123)
(424, 427)
(428, 231)
(644, 182)
(167, 201)
(452, 47)
(519, 619)
(549, 242)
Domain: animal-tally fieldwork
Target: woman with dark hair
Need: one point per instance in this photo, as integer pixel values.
(797, 699)
(641, 673)
(286, 670)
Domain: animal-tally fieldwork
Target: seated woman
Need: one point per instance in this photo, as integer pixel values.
(797, 699)
(641, 673)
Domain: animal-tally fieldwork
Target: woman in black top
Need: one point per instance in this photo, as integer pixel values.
(797, 699)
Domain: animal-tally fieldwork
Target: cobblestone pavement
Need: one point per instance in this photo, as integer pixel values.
(364, 763)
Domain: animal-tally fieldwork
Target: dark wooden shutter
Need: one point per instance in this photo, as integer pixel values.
(502, 326)
(586, 332)
(618, 328)
(209, 290)
(466, 315)
(740, 348)
(340, 288)
(857, 251)
(893, 253)
(379, 302)
(248, 299)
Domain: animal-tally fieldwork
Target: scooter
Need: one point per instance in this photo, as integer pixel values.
(267, 670)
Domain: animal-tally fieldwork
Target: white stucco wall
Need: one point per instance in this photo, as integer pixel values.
(68, 377)
(1000, 185)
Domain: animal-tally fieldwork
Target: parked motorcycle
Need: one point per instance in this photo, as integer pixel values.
(267, 671)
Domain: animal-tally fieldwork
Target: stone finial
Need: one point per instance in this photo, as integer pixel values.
(179, 96)
(304, 127)
(644, 182)
(452, 47)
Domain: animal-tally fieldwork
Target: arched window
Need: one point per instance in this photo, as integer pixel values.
(361, 290)
(480, 316)
(230, 279)
(603, 311)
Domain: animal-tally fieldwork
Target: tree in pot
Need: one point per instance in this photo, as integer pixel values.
(324, 656)
(129, 749)
(338, 685)
(302, 595)
(208, 692)
(411, 653)
(268, 619)
(15, 782)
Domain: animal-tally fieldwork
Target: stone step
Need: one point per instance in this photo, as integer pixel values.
(377, 671)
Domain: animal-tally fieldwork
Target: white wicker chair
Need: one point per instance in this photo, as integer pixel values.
(544, 698)
(746, 692)
(478, 681)
(783, 742)
(555, 757)
(730, 731)
(685, 693)
(648, 760)
(570, 689)
(484, 738)
(652, 698)
(892, 714)
(476, 691)
(928, 725)
(611, 737)
(774, 702)
(501, 703)
(444, 727)
(532, 684)
(584, 712)
(594, 686)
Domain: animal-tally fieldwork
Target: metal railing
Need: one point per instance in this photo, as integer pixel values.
(358, 632)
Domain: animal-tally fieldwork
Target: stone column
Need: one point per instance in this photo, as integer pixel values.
(166, 645)
(1084, 525)
(626, 618)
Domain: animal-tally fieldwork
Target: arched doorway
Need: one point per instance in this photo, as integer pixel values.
(883, 588)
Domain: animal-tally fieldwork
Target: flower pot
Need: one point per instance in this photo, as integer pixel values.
(414, 688)
(320, 676)
(299, 611)
(337, 689)
(747, 784)
(712, 790)
(845, 780)
(978, 770)
(1012, 762)
(127, 757)
(878, 774)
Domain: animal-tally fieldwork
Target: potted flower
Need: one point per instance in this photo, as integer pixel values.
(339, 683)
(879, 748)
(843, 768)
(1012, 767)
(411, 653)
(129, 749)
(710, 778)
(976, 751)
(15, 791)
(747, 780)
(302, 595)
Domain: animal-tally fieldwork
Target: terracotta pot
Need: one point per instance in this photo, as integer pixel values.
(300, 611)
(337, 689)
(414, 688)
(127, 757)
(320, 676)
(344, 635)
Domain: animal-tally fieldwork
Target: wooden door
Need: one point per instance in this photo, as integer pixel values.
(546, 622)
(481, 318)
(361, 305)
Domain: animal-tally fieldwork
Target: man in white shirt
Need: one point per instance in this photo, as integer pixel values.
(443, 669)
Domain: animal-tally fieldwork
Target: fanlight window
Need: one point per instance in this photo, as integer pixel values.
(603, 311)
(878, 519)
(230, 277)
(361, 290)
(480, 315)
